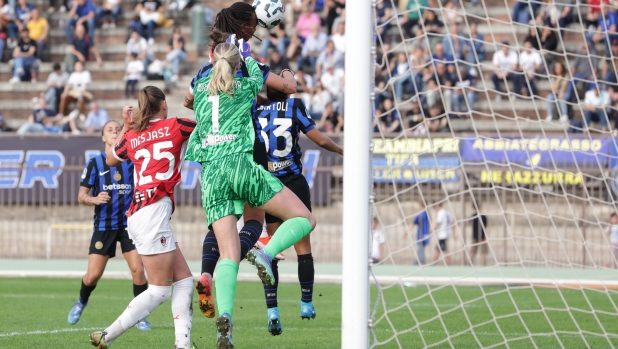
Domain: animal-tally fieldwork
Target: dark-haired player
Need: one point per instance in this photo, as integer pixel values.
(282, 120)
(112, 192)
(236, 23)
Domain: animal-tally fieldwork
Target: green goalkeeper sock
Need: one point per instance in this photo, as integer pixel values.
(289, 233)
(225, 286)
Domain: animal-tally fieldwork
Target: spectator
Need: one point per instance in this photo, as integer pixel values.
(533, 37)
(319, 100)
(335, 10)
(440, 86)
(329, 55)
(450, 12)
(150, 13)
(176, 53)
(557, 16)
(464, 89)
(437, 121)
(474, 50)
(314, 44)
(331, 121)
(307, 21)
(338, 37)
(596, 103)
(415, 117)
(22, 14)
(559, 89)
(612, 236)
(383, 17)
(59, 125)
(377, 245)
(139, 46)
(304, 85)
(56, 81)
(35, 120)
(422, 233)
(108, 13)
(278, 39)
(604, 30)
(6, 15)
(133, 73)
(415, 10)
(421, 42)
(278, 63)
(440, 56)
(529, 63)
(443, 229)
(390, 120)
(76, 90)
(505, 63)
(96, 119)
(332, 80)
(24, 56)
(433, 27)
(1, 123)
(82, 13)
(583, 67)
(479, 239)
(593, 12)
(549, 43)
(38, 28)
(79, 51)
(452, 43)
(523, 10)
(401, 74)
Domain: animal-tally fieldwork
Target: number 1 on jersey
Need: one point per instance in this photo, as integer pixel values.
(215, 112)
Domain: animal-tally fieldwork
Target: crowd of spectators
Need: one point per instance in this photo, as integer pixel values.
(24, 33)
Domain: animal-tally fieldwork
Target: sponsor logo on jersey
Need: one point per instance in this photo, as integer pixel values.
(217, 139)
(103, 173)
(276, 166)
(117, 186)
(201, 87)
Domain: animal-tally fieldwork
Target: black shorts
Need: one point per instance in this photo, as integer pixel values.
(104, 242)
(259, 153)
(299, 186)
(441, 245)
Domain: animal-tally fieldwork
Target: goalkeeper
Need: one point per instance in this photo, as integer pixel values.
(223, 144)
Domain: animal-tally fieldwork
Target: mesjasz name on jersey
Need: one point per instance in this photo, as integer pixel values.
(150, 135)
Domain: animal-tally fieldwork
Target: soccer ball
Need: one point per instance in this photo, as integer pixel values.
(269, 12)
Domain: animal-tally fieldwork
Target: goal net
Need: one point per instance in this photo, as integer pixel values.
(494, 168)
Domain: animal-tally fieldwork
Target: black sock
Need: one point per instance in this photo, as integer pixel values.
(271, 291)
(85, 291)
(305, 276)
(249, 235)
(210, 253)
(138, 289)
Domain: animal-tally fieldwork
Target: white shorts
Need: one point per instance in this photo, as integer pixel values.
(150, 229)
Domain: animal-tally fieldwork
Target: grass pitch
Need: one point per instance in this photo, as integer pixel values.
(34, 312)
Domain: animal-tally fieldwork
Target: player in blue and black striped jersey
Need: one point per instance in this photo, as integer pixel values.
(282, 120)
(110, 191)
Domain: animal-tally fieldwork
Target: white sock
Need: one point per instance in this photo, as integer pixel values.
(182, 311)
(139, 308)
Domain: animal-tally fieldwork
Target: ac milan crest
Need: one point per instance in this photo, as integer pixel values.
(163, 241)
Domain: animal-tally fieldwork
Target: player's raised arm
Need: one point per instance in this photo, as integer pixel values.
(324, 141)
(115, 154)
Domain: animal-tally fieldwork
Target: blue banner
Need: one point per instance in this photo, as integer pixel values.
(414, 160)
(542, 153)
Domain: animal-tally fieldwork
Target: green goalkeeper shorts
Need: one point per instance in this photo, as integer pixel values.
(230, 181)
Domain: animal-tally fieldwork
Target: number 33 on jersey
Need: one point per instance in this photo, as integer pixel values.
(281, 124)
(158, 152)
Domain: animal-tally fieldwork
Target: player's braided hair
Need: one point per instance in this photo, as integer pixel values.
(235, 19)
(149, 102)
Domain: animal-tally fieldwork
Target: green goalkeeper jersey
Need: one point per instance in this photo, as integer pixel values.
(224, 123)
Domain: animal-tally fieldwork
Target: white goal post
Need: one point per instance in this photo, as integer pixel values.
(357, 171)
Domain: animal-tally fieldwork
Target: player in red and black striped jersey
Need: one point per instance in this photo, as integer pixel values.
(155, 145)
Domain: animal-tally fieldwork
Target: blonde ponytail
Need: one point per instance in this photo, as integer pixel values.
(227, 58)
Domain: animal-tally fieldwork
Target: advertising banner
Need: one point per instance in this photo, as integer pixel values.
(47, 169)
(412, 160)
